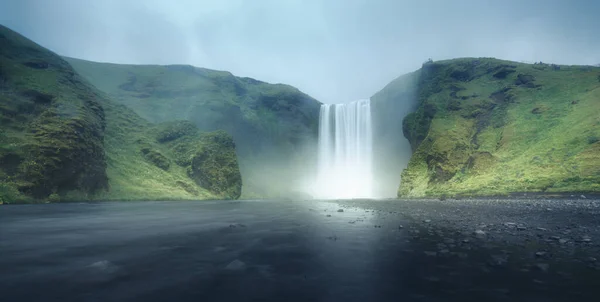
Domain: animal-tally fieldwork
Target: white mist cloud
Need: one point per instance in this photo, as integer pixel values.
(334, 50)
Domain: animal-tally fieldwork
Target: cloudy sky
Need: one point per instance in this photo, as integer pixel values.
(334, 50)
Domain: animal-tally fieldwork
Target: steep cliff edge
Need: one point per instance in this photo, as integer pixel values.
(63, 140)
(52, 125)
(492, 127)
(272, 124)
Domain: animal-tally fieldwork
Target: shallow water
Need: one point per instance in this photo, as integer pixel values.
(291, 251)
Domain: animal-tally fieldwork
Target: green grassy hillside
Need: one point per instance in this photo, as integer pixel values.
(61, 139)
(487, 127)
(271, 123)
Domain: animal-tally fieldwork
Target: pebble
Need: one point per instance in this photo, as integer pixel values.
(499, 260)
(431, 254)
(427, 220)
(340, 210)
(462, 255)
(235, 265)
(479, 233)
(328, 215)
(543, 266)
(540, 254)
(562, 241)
(448, 240)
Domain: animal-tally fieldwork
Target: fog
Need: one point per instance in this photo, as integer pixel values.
(335, 50)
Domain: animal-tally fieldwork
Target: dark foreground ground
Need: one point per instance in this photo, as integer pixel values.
(385, 250)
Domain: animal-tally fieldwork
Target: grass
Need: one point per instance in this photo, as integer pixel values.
(52, 124)
(264, 119)
(480, 131)
(132, 175)
(63, 140)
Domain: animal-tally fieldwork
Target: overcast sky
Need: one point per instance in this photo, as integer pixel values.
(334, 50)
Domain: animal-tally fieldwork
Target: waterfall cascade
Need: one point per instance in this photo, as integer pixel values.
(345, 151)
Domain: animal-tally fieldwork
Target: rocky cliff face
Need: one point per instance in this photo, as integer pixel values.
(52, 125)
(61, 139)
(272, 124)
(209, 158)
(486, 127)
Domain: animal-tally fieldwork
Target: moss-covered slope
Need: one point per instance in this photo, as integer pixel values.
(271, 123)
(486, 127)
(62, 139)
(51, 125)
(144, 163)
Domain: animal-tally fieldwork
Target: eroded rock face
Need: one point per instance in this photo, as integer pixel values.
(53, 124)
(214, 165)
(476, 118)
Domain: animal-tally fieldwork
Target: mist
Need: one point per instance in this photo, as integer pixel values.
(336, 51)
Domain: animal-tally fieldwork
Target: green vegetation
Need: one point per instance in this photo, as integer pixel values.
(52, 125)
(492, 127)
(270, 123)
(63, 140)
(208, 158)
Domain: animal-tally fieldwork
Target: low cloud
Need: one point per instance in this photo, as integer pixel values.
(335, 50)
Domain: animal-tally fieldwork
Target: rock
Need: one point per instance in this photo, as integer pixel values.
(104, 266)
(479, 234)
(327, 215)
(592, 259)
(583, 196)
(521, 228)
(432, 279)
(509, 224)
(465, 240)
(444, 251)
(562, 241)
(101, 271)
(542, 267)
(586, 238)
(430, 254)
(498, 260)
(235, 265)
(541, 229)
(540, 254)
(340, 210)
(215, 167)
(555, 238)
(400, 227)
(427, 220)
(462, 255)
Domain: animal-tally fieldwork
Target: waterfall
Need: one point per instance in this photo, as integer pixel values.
(345, 151)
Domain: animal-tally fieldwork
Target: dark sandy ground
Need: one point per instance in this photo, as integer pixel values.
(351, 250)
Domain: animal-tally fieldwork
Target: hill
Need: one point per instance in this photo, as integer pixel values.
(490, 127)
(62, 139)
(272, 124)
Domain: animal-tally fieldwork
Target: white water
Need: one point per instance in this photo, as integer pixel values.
(345, 151)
